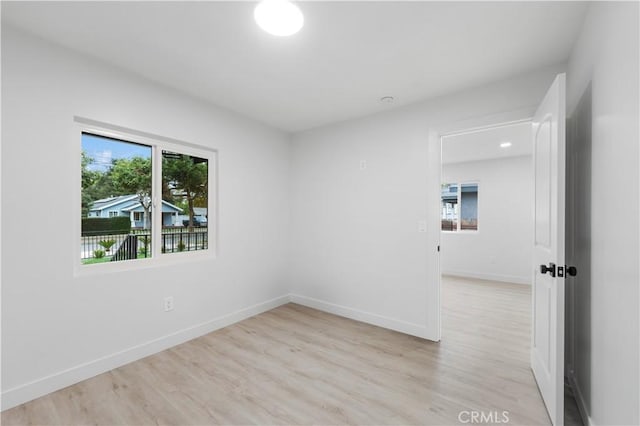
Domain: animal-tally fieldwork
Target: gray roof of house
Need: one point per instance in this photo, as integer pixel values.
(125, 203)
(101, 204)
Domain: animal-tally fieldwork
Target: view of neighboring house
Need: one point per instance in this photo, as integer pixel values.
(449, 196)
(468, 208)
(128, 205)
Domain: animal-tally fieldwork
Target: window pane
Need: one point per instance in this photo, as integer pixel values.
(116, 200)
(469, 207)
(449, 197)
(185, 202)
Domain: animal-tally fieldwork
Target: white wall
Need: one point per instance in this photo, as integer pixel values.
(605, 328)
(57, 329)
(355, 232)
(502, 248)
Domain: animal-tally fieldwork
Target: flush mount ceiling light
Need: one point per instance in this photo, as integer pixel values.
(387, 99)
(278, 17)
(505, 144)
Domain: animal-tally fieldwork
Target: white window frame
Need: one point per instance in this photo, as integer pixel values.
(140, 216)
(459, 221)
(157, 144)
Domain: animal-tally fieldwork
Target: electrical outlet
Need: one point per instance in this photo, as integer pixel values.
(422, 226)
(168, 304)
(363, 164)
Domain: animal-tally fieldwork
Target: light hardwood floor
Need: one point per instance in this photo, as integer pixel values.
(296, 365)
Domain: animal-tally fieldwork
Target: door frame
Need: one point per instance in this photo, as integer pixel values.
(436, 133)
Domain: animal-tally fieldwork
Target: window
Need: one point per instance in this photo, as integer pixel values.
(185, 186)
(459, 207)
(122, 217)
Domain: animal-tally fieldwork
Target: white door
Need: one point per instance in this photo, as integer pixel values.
(547, 349)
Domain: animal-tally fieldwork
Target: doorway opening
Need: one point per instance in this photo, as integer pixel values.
(486, 243)
(487, 230)
(486, 227)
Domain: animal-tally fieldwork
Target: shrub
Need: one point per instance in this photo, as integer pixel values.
(107, 244)
(106, 225)
(98, 254)
(181, 246)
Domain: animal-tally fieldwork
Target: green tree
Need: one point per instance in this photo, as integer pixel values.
(89, 179)
(186, 176)
(103, 186)
(95, 184)
(133, 175)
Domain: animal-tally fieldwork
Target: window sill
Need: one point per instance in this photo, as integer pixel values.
(466, 231)
(169, 259)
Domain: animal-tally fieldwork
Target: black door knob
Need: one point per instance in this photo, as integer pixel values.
(572, 271)
(551, 269)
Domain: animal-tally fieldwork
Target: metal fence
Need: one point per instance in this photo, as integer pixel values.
(174, 240)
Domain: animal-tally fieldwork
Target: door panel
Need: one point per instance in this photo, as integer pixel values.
(542, 147)
(547, 348)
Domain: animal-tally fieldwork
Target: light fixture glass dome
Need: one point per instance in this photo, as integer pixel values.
(278, 17)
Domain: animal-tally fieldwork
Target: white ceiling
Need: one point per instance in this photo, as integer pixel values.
(485, 144)
(347, 56)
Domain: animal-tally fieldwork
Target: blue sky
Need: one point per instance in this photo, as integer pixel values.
(102, 150)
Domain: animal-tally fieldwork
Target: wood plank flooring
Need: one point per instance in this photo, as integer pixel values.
(296, 365)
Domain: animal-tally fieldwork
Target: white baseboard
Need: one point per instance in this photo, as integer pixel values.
(37, 388)
(413, 329)
(582, 407)
(491, 277)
